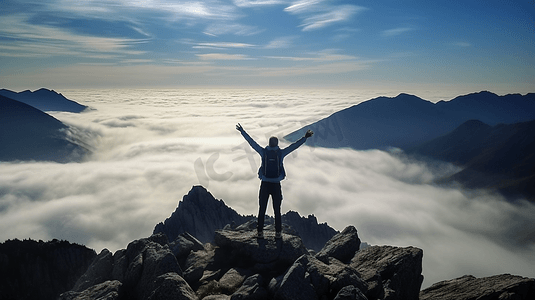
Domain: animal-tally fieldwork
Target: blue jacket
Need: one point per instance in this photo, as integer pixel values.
(262, 152)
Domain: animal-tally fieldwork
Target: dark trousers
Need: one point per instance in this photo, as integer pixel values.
(273, 189)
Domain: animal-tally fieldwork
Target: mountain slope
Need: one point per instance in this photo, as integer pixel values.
(26, 133)
(45, 100)
(500, 157)
(406, 120)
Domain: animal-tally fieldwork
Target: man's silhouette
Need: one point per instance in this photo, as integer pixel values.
(271, 173)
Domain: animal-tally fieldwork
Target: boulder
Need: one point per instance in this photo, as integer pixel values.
(342, 246)
(498, 287)
(232, 280)
(109, 290)
(391, 272)
(99, 271)
(350, 293)
(170, 286)
(294, 285)
(272, 255)
(252, 289)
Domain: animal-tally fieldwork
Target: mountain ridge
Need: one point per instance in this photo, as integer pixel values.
(407, 120)
(45, 100)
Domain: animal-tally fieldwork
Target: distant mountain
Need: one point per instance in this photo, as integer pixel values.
(26, 133)
(200, 214)
(406, 120)
(500, 157)
(45, 100)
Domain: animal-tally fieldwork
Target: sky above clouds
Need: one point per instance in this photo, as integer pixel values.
(267, 43)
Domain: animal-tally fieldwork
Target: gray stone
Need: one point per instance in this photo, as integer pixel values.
(394, 272)
(232, 280)
(98, 272)
(294, 285)
(252, 289)
(243, 248)
(108, 290)
(342, 246)
(498, 287)
(350, 293)
(171, 286)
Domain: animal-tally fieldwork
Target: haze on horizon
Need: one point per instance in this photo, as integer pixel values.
(406, 46)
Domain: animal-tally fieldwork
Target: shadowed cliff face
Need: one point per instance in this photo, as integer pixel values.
(27, 133)
(41, 270)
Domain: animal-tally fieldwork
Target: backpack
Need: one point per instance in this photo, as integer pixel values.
(272, 163)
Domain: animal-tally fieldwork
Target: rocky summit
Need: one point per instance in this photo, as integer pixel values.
(236, 265)
(201, 214)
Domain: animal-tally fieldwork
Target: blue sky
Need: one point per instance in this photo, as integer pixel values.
(464, 45)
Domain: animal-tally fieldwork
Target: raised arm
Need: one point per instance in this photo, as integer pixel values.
(297, 143)
(249, 139)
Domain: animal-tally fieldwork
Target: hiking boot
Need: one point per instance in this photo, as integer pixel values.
(260, 235)
(278, 235)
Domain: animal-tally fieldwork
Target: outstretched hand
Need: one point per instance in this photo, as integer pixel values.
(309, 133)
(239, 128)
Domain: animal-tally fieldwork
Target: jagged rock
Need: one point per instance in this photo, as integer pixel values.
(99, 271)
(350, 293)
(41, 270)
(313, 234)
(217, 297)
(147, 269)
(196, 264)
(326, 279)
(184, 244)
(391, 272)
(267, 254)
(109, 290)
(252, 289)
(294, 285)
(200, 214)
(342, 246)
(171, 286)
(499, 287)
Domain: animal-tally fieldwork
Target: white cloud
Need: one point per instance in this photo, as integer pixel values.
(147, 142)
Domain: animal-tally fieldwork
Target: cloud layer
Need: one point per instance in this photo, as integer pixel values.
(152, 146)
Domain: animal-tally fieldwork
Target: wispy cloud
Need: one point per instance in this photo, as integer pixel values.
(223, 56)
(44, 40)
(317, 14)
(217, 29)
(280, 43)
(223, 45)
(396, 31)
(253, 3)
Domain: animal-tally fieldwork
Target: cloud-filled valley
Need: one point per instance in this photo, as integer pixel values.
(151, 146)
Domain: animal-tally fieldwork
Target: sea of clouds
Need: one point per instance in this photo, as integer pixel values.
(151, 146)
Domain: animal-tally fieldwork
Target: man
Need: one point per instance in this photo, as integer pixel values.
(271, 173)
